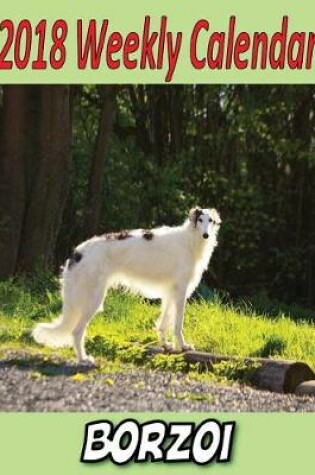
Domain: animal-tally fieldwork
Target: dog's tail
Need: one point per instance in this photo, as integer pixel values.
(56, 333)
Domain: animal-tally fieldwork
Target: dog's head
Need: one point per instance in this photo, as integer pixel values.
(206, 221)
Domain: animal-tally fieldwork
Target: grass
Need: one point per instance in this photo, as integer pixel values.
(118, 337)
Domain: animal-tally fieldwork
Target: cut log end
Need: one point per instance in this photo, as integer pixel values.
(281, 376)
(307, 388)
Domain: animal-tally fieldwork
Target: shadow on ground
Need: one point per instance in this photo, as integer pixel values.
(41, 364)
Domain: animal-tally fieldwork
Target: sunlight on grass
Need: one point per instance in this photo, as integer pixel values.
(127, 325)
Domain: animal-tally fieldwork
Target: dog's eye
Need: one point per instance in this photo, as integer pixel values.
(200, 220)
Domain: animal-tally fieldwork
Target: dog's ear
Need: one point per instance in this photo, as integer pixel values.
(216, 217)
(194, 214)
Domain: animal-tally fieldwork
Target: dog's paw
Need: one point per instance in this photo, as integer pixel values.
(87, 361)
(168, 346)
(188, 347)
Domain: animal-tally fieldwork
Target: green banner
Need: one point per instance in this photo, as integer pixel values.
(52, 443)
(157, 42)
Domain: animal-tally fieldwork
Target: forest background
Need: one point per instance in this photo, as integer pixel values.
(82, 160)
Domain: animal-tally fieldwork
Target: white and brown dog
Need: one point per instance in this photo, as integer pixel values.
(165, 263)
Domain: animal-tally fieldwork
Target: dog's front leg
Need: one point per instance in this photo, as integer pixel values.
(164, 324)
(180, 302)
(78, 337)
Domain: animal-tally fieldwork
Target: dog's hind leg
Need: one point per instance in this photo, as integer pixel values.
(180, 302)
(87, 312)
(164, 323)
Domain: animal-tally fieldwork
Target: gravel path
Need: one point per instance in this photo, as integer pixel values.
(23, 387)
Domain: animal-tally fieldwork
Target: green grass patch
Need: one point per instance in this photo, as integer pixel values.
(119, 336)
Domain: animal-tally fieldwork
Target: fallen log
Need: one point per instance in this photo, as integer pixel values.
(273, 375)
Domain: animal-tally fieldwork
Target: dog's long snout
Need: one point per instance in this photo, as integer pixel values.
(205, 235)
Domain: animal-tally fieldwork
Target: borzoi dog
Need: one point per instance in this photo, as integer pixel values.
(165, 263)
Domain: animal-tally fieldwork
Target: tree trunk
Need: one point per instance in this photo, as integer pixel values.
(140, 111)
(159, 129)
(12, 178)
(176, 118)
(94, 196)
(49, 178)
